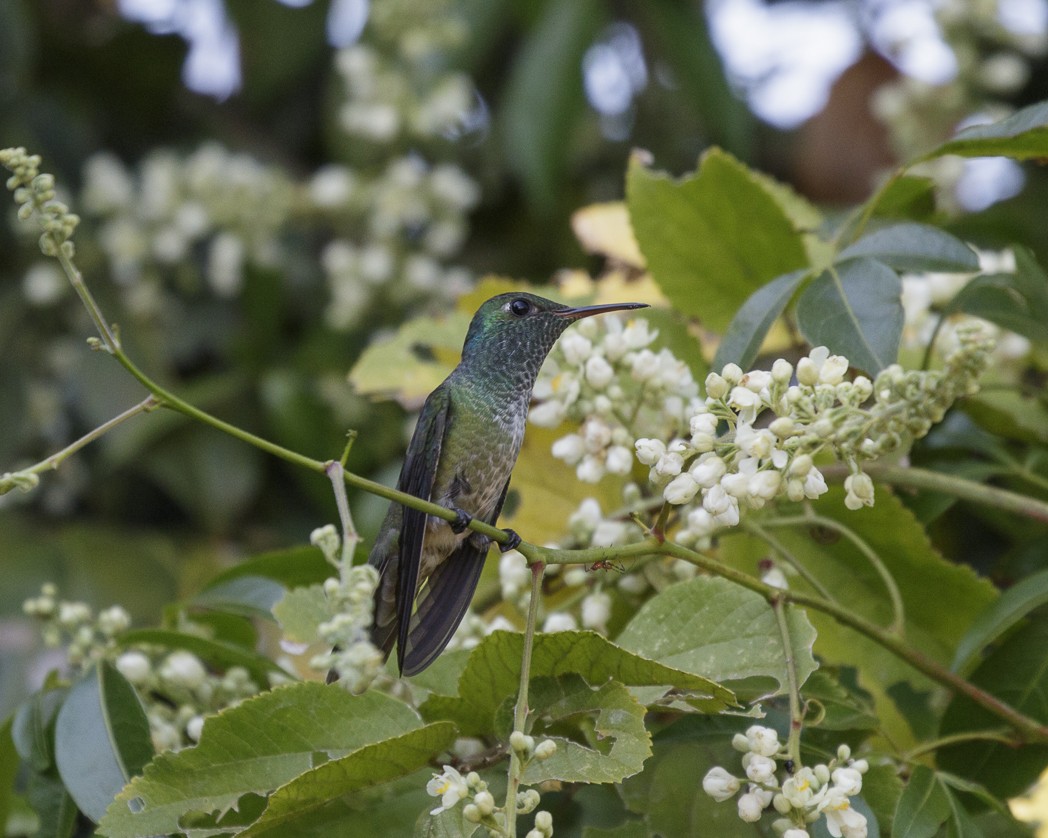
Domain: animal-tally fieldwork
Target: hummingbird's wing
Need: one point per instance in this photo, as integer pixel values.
(416, 478)
(443, 601)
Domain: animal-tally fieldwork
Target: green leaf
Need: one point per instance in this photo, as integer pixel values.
(1017, 301)
(371, 765)
(621, 742)
(9, 765)
(1017, 673)
(711, 626)
(743, 338)
(56, 812)
(215, 652)
(1021, 136)
(713, 238)
(923, 807)
(252, 749)
(538, 115)
(668, 793)
(492, 675)
(301, 611)
(940, 598)
(449, 823)
(1010, 414)
(102, 739)
(914, 247)
(1011, 607)
(855, 309)
(292, 568)
(908, 196)
(841, 709)
(33, 728)
(248, 596)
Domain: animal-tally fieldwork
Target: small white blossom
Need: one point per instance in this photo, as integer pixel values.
(559, 621)
(450, 787)
(750, 809)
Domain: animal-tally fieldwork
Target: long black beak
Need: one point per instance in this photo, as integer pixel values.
(579, 312)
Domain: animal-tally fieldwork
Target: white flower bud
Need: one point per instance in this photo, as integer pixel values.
(619, 460)
(781, 371)
(669, 464)
(590, 469)
(759, 769)
(708, 470)
(795, 832)
(559, 621)
(750, 809)
(848, 781)
(732, 373)
(569, 448)
(833, 369)
(719, 784)
(599, 372)
(762, 740)
(681, 489)
(860, 492)
(545, 749)
(765, 484)
(716, 386)
(807, 372)
(649, 450)
(194, 727)
(783, 427)
(645, 365)
(548, 414)
(134, 666)
(183, 669)
(596, 611)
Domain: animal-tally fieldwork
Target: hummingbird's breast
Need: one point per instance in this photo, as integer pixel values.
(478, 454)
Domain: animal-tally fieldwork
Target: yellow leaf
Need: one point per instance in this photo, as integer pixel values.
(605, 229)
(408, 366)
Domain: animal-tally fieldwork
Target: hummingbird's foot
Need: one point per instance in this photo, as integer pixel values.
(513, 543)
(461, 522)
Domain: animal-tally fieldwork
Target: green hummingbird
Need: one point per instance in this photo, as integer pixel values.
(464, 447)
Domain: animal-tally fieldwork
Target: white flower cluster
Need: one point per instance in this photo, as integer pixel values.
(407, 219)
(34, 192)
(992, 50)
(397, 84)
(228, 204)
(806, 796)
(717, 477)
(451, 787)
(925, 295)
(179, 691)
(88, 638)
(353, 656)
(603, 375)
(176, 687)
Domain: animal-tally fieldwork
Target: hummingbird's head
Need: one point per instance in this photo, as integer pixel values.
(521, 327)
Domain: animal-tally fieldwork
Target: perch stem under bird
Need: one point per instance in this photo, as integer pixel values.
(464, 447)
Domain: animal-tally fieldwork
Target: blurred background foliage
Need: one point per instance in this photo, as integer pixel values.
(252, 241)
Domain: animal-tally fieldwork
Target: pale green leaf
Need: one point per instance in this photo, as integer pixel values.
(101, 739)
(252, 749)
(1016, 301)
(713, 238)
(941, 599)
(914, 247)
(855, 309)
(618, 725)
(492, 675)
(301, 611)
(371, 765)
(711, 626)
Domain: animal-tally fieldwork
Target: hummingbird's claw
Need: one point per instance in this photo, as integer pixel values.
(461, 522)
(513, 543)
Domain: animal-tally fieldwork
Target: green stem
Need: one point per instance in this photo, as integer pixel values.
(957, 738)
(76, 279)
(56, 459)
(810, 519)
(780, 548)
(793, 741)
(959, 487)
(350, 538)
(520, 713)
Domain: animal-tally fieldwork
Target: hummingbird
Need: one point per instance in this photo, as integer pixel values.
(463, 449)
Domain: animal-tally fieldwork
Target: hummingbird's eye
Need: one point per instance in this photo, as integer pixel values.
(520, 307)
